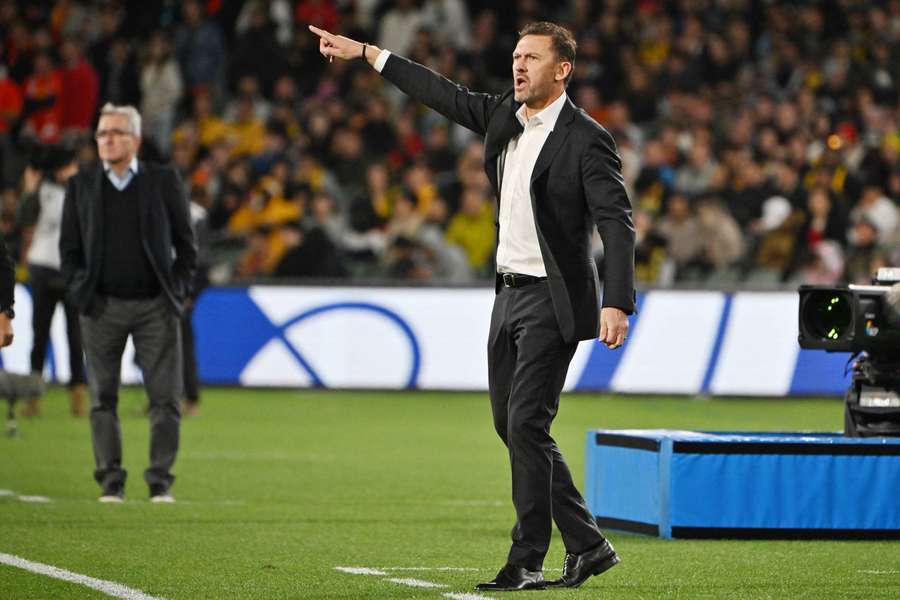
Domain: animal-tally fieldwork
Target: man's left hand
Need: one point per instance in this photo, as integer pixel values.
(613, 326)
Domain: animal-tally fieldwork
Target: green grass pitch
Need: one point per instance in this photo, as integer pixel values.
(277, 488)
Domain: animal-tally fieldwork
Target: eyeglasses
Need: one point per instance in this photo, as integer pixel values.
(104, 133)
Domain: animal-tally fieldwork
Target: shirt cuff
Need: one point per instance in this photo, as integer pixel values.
(381, 60)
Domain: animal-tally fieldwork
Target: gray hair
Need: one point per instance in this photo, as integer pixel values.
(127, 111)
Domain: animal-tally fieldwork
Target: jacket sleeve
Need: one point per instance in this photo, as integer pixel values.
(7, 277)
(470, 109)
(29, 210)
(610, 210)
(182, 233)
(71, 245)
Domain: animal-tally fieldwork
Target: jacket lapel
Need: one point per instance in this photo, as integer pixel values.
(495, 144)
(93, 210)
(555, 140)
(145, 198)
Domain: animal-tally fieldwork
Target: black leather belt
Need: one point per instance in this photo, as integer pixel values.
(514, 280)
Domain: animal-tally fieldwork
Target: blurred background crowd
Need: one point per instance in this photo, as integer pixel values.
(760, 139)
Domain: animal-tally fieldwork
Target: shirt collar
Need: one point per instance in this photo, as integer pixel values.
(548, 116)
(132, 166)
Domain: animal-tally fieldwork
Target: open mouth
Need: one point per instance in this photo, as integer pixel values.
(520, 82)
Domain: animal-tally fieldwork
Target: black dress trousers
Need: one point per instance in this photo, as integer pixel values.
(527, 364)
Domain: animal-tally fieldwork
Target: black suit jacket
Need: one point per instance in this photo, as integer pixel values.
(165, 225)
(7, 277)
(576, 184)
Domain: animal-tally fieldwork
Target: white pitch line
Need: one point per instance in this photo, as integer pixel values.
(7, 493)
(428, 569)
(360, 571)
(417, 583)
(110, 588)
(213, 503)
(877, 572)
(35, 499)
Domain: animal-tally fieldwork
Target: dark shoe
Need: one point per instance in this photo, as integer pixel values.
(113, 494)
(512, 578)
(578, 568)
(159, 494)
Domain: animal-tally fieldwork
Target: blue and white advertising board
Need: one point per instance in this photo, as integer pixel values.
(681, 342)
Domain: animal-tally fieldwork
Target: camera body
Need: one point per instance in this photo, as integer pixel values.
(853, 318)
(863, 320)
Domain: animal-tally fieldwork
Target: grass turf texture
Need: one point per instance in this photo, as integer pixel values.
(276, 488)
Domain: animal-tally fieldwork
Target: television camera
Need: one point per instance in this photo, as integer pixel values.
(865, 321)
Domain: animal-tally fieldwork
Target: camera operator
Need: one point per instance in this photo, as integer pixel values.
(44, 188)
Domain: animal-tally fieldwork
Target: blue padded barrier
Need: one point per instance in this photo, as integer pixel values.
(744, 485)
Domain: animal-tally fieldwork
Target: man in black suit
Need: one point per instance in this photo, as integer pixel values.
(555, 172)
(128, 256)
(12, 385)
(7, 294)
(7, 298)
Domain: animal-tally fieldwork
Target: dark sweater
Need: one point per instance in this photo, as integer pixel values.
(125, 271)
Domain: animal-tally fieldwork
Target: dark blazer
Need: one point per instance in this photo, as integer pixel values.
(7, 277)
(165, 224)
(576, 184)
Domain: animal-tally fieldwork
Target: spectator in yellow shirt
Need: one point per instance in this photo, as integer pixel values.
(247, 132)
(472, 229)
(203, 126)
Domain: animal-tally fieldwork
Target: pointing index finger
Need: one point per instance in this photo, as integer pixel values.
(319, 32)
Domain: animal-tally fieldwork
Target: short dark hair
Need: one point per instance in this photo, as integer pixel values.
(562, 40)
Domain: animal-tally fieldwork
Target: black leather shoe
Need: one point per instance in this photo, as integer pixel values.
(578, 568)
(512, 579)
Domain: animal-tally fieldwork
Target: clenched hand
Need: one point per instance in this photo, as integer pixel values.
(613, 327)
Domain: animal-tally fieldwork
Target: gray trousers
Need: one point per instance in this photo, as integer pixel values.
(527, 364)
(14, 386)
(155, 329)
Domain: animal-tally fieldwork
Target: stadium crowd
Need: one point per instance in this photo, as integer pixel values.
(760, 141)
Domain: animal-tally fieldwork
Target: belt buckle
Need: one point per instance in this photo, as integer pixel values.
(509, 280)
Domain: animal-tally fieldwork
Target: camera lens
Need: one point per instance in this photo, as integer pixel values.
(827, 315)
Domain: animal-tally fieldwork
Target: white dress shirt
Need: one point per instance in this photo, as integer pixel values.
(122, 182)
(382, 58)
(518, 250)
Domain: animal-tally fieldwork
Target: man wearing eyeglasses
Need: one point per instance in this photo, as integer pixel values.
(128, 256)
